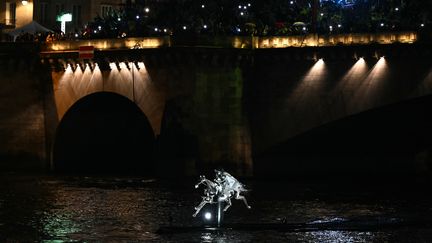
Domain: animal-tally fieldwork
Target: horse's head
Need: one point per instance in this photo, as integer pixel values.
(201, 180)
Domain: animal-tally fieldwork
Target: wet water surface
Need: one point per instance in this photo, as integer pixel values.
(79, 208)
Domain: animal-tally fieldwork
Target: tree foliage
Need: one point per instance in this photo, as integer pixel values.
(259, 17)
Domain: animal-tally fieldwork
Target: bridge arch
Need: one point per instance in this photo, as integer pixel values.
(130, 80)
(104, 132)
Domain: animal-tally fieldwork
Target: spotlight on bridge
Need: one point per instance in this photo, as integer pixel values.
(137, 65)
(142, 65)
(319, 65)
(112, 66)
(317, 70)
(381, 63)
(69, 63)
(123, 65)
(68, 68)
(315, 74)
(90, 66)
(379, 72)
(94, 65)
(72, 66)
(81, 66)
(87, 65)
(127, 65)
(357, 72)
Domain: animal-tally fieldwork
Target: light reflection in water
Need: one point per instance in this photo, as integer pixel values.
(207, 237)
(107, 213)
(337, 236)
(60, 226)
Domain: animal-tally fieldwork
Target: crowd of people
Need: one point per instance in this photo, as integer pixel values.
(251, 17)
(39, 37)
(262, 18)
(46, 37)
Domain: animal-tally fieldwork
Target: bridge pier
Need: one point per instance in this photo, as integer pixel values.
(23, 140)
(204, 123)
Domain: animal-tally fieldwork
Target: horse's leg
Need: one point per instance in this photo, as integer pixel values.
(239, 197)
(228, 200)
(199, 207)
(199, 183)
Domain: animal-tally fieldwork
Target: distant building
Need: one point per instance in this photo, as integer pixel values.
(16, 13)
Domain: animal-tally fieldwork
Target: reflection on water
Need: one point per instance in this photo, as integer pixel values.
(44, 208)
(340, 236)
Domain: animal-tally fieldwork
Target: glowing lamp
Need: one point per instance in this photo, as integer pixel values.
(67, 17)
(63, 18)
(207, 216)
(24, 2)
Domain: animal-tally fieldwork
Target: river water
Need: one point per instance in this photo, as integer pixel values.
(44, 208)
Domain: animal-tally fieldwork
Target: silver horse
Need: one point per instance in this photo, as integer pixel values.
(230, 187)
(210, 191)
(224, 187)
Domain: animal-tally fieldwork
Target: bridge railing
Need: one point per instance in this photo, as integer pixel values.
(106, 44)
(336, 39)
(251, 42)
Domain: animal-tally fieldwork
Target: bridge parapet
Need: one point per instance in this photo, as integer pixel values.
(238, 42)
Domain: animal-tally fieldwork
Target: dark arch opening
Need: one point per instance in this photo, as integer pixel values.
(382, 142)
(104, 133)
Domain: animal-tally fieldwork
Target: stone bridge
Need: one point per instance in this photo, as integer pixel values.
(183, 110)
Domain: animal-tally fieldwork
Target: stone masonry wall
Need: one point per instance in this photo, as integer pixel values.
(22, 123)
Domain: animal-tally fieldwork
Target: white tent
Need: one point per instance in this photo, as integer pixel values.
(30, 28)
